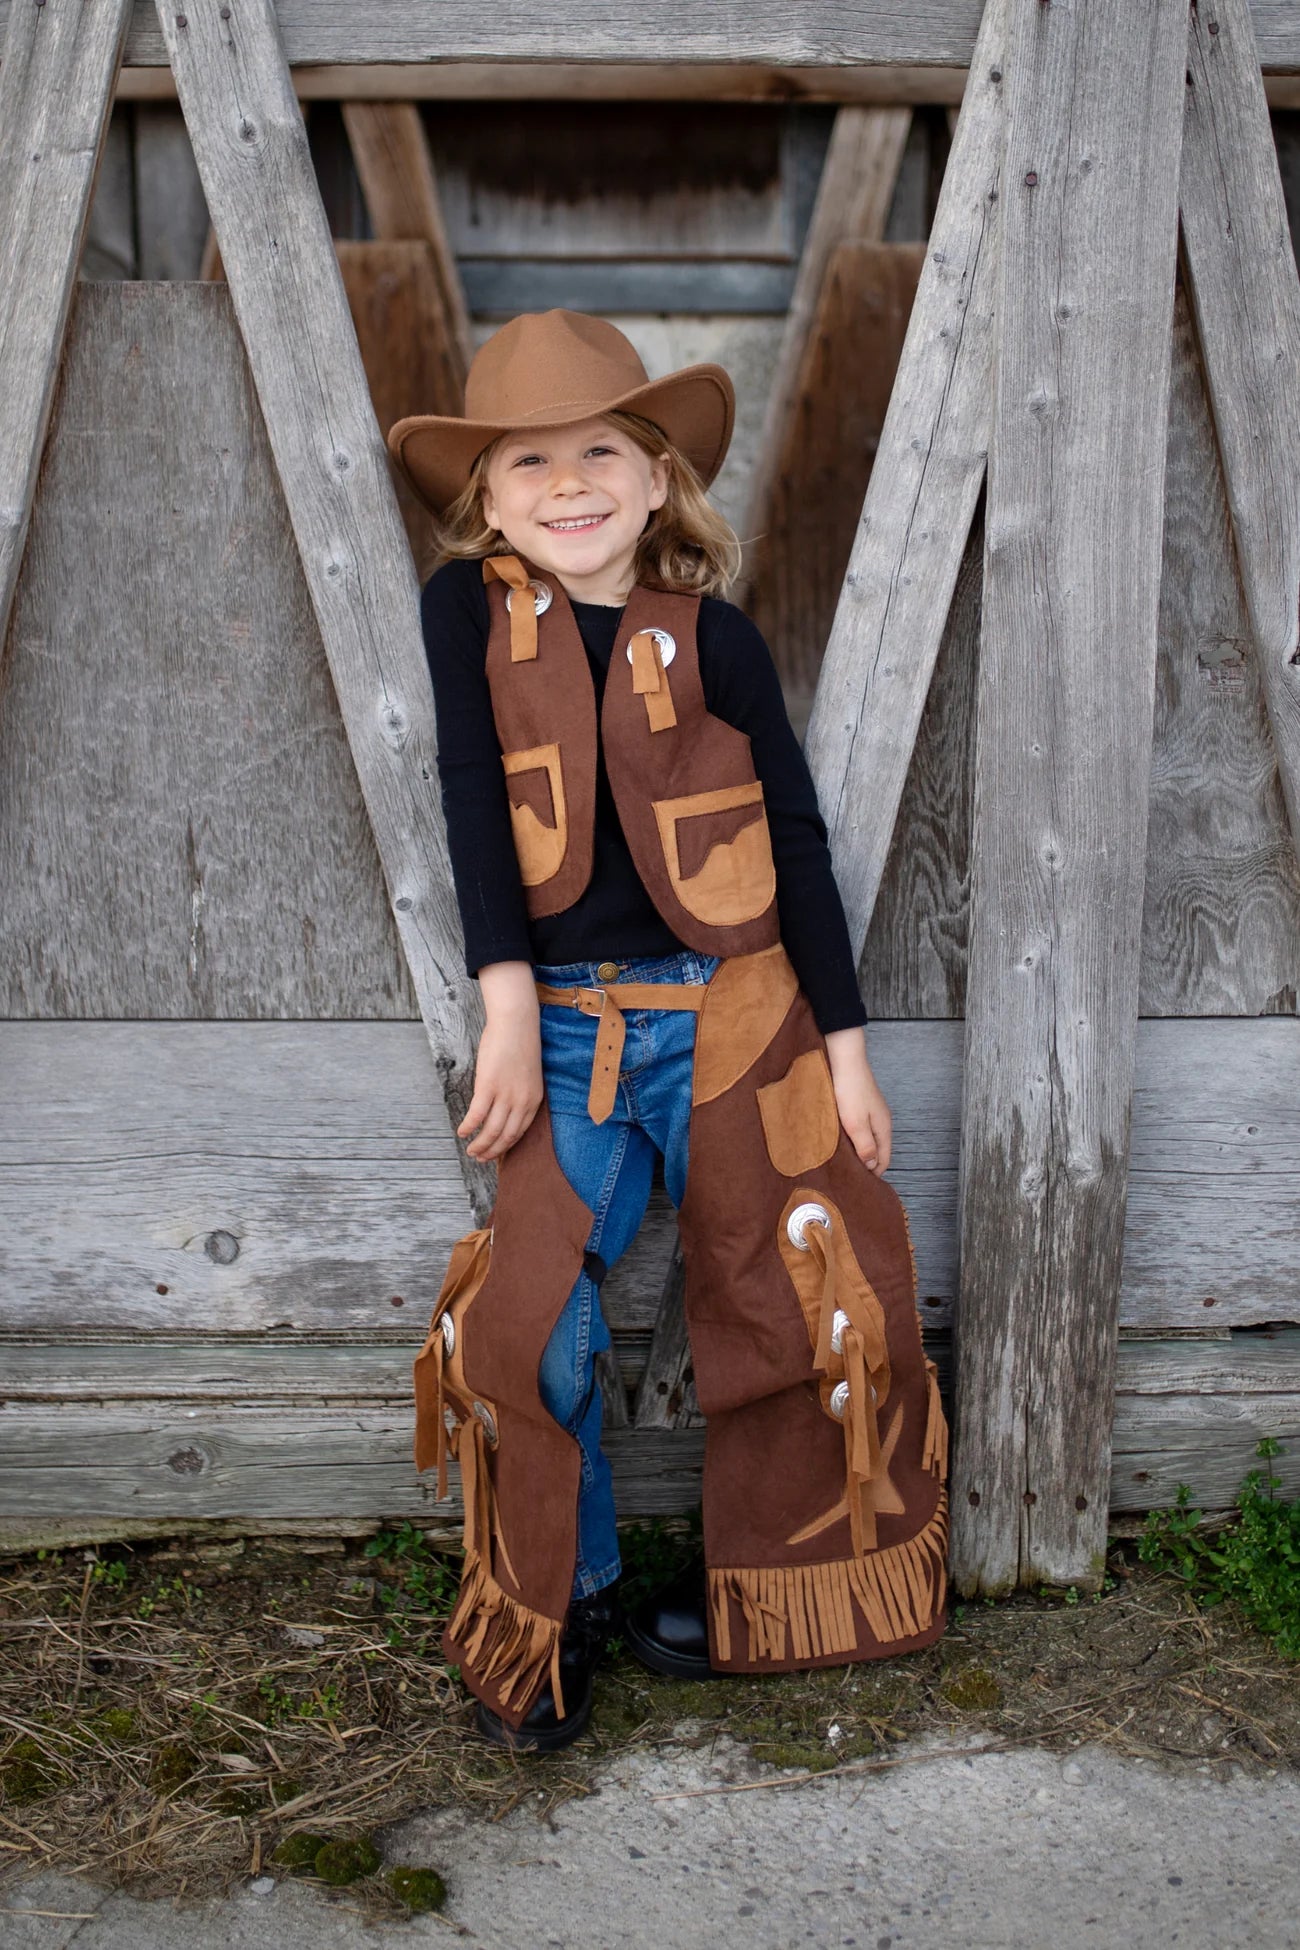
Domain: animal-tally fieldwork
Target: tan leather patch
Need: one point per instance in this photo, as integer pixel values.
(535, 784)
(801, 1125)
(721, 873)
(747, 1001)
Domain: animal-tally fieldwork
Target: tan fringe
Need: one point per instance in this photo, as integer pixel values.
(506, 1646)
(934, 1449)
(899, 1592)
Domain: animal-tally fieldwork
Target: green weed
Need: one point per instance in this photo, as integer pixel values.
(1253, 1559)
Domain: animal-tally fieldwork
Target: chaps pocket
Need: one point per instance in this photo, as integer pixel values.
(801, 1125)
(535, 785)
(719, 853)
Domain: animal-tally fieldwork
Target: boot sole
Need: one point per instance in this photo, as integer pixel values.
(668, 1664)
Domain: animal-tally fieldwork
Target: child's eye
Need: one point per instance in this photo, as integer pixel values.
(526, 460)
(602, 450)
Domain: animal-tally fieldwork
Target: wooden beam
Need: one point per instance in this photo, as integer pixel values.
(251, 148)
(1067, 666)
(833, 34)
(1246, 299)
(853, 197)
(391, 153)
(56, 91)
(926, 480)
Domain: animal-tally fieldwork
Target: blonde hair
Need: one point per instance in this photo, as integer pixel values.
(686, 545)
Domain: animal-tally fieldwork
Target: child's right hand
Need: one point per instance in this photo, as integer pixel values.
(508, 1068)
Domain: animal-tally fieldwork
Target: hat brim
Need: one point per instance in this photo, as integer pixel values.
(696, 408)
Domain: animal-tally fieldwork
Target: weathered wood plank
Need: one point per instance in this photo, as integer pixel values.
(1221, 911)
(853, 199)
(108, 250)
(251, 148)
(814, 481)
(1067, 669)
(173, 216)
(914, 960)
(181, 830)
(56, 93)
(392, 157)
(322, 1152)
(211, 1461)
(325, 1437)
(1246, 296)
(919, 504)
(831, 33)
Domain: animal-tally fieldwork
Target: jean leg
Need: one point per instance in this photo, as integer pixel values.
(609, 1166)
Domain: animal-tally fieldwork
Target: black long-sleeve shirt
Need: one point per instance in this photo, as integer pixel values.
(615, 919)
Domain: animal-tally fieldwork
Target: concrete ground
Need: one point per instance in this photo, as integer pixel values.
(1006, 1850)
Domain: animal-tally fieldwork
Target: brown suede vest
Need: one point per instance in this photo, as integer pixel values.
(688, 799)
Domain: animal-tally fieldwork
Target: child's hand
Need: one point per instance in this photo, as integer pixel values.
(858, 1098)
(508, 1068)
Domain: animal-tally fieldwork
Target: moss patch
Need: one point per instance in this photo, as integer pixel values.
(419, 1889)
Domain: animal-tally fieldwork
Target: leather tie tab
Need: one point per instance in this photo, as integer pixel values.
(608, 1004)
(650, 680)
(523, 614)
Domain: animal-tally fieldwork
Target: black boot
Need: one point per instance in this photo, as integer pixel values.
(586, 1633)
(669, 1633)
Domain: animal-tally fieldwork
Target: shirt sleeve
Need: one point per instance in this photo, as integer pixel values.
(484, 865)
(741, 686)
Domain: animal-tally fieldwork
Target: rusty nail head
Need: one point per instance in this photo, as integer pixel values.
(1031, 177)
(182, 20)
(1214, 26)
(1080, 1502)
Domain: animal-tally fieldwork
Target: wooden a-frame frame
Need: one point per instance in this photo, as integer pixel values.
(1032, 1264)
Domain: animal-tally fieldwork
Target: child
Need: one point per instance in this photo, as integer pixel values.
(648, 904)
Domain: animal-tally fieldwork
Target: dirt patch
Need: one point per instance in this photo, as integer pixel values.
(170, 1716)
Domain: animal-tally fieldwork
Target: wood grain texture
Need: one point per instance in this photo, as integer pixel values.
(396, 305)
(391, 152)
(853, 202)
(57, 68)
(322, 1436)
(1221, 913)
(181, 829)
(918, 508)
(251, 148)
(242, 1177)
(830, 34)
(172, 212)
(914, 959)
(1246, 297)
(1067, 672)
(813, 489)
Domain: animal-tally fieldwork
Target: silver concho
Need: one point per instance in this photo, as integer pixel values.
(805, 1215)
(488, 1420)
(448, 1327)
(667, 645)
(839, 1399)
(542, 598)
(839, 1321)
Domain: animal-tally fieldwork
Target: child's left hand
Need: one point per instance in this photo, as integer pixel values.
(859, 1099)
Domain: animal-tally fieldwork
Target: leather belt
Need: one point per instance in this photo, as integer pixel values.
(608, 1004)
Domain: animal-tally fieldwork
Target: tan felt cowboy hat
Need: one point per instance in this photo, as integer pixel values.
(550, 369)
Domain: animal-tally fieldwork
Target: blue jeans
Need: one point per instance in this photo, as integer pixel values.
(610, 1167)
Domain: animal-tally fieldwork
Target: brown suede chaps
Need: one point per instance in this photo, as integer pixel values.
(825, 1511)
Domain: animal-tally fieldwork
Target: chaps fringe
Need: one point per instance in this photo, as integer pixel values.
(509, 1648)
(898, 1592)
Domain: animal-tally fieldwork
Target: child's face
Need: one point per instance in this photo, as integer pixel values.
(574, 500)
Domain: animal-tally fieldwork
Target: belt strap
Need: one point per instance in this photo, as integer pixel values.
(609, 1004)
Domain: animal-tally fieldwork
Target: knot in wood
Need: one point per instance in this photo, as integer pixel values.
(186, 1462)
(222, 1248)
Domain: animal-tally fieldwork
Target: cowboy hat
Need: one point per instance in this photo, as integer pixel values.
(552, 369)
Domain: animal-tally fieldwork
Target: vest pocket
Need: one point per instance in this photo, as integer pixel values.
(801, 1124)
(535, 785)
(719, 853)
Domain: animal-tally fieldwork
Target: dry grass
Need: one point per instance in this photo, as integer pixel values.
(169, 1714)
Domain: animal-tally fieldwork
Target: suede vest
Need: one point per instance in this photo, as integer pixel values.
(688, 799)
